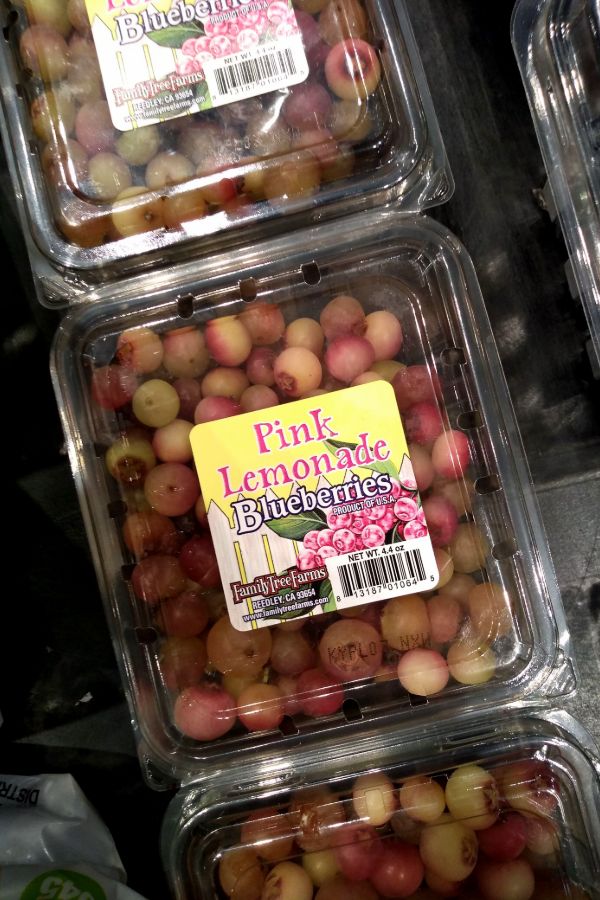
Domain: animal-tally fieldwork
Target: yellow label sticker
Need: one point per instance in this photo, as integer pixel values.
(161, 59)
(313, 506)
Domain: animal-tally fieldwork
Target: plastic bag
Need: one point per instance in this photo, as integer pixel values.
(53, 845)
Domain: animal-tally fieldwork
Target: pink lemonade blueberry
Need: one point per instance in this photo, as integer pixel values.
(221, 45)
(376, 513)
(405, 509)
(388, 520)
(344, 541)
(326, 552)
(251, 19)
(188, 48)
(277, 12)
(373, 536)
(359, 522)
(325, 537)
(343, 521)
(415, 529)
(311, 540)
(247, 38)
(306, 559)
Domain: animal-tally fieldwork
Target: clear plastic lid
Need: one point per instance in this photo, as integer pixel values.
(557, 43)
(489, 812)
(383, 299)
(101, 196)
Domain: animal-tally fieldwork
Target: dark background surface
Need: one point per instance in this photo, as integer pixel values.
(60, 692)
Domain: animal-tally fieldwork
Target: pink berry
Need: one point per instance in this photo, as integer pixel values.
(322, 695)
(405, 509)
(343, 315)
(189, 393)
(445, 615)
(297, 371)
(414, 529)
(373, 536)
(349, 356)
(94, 128)
(311, 541)
(306, 560)
(228, 340)
(258, 396)
(512, 880)
(399, 869)
(505, 839)
(325, 538)
(450, 454)
(212, 408)
(422, 423)
(350, 650)
(264, 322)
(261, 707)
(423, 672)
(158, 577)
(441, 519)
(359, 523)
(225, 382)
(140, 349)
(384, 333)
(352, 69)
(291, 653)
(334, 521)
(344, 541)
(305, 333)
(198, 561)
(171, 489)
(259, 366)
(171, 443)
(415, 384)
(357, 849)
(422, 466)
(185, 353)
(113, 386)
(307, 106)
(204, 712)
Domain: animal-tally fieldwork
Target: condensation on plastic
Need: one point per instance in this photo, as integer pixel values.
(51, 838)
(402, 158)
(204, 820)
(412, 267)
(557, 44)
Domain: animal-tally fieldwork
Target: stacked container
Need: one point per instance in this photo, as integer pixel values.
(231, 261)
(556, 44)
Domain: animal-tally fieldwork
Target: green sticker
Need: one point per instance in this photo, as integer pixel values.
(63, 884)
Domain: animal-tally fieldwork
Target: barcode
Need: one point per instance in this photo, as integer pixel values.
(373, 573)
(235, 77)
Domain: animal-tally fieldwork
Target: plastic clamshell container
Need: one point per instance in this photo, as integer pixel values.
(557, 43)
(218, 176)
(511, 636)
(537, 776)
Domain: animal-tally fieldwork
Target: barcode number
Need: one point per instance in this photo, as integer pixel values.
(375, 573)
(235, 77)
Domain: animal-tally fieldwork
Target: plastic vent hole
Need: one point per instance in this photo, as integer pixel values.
(487, 484)
(32, 147)
(287, 726)
(311, 273)
(453, 356)
(145, 635)
(10, 21)
(116, 508)
(416, 700)
(248, 290)
(127, 571)
(185, 306)
(19, 90)
(100, 450)
(352, 711)
(505, 549)
(469, 419)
